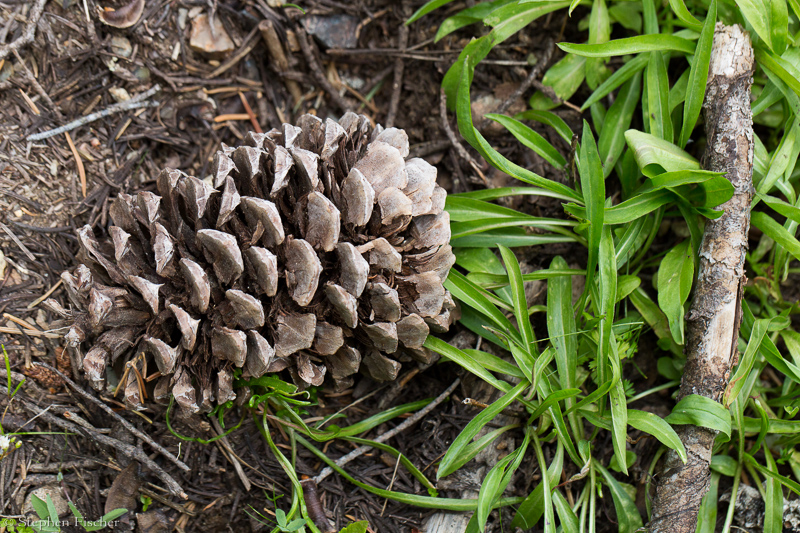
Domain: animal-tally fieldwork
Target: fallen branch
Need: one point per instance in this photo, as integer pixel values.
(30, 30)
(134, 103)
(714, 318)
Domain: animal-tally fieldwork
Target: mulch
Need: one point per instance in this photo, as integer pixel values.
(166, 104)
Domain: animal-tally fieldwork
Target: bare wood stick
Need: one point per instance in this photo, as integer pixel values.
(134, 103)
(126, 449)
(397, 83)
(127, 425)
(30, 30)
(714, 318)
(361, 450)
(270, 36)
(319, 74)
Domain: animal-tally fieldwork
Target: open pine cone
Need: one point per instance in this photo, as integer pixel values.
(316, 248)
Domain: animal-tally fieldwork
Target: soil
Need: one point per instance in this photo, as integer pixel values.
(75, 66)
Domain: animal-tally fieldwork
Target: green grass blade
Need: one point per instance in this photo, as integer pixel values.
(679, 8)
(618, 120)
(698, 76)
(623, 74)
(551, 119)
(657, 83)
(531, 139)
(532, 509)
(656, 426)
(631, 45)
(425, 9)
(447, 467)
(776, 232)
(628, 515)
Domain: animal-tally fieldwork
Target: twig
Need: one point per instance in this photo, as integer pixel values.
(46, 295)
(126, 449)
(318, 73)
(460, 150)
(78, 163)
(361, 450)
(712, 324)
(127, 425)
(134, 103)
(30, 29)
(397, 83)
(17, 241)
(226, 449)
(273, 42)
(551, 94)
(249, 43)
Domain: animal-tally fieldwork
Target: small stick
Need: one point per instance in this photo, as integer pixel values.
(17, 241)
(126, 449)
(712, 324)
(78, 162)
(127, 425)
(134, 103)
(460, 150)
(361, 450)
(249, 110)
(397, 83)
(318, 73)
(270, 36)
(226, 449)
(30, 29)
(250, 42)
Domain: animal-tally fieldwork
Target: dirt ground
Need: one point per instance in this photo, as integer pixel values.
(183, 94)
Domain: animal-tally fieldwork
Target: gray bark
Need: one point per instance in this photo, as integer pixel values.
(714, 318)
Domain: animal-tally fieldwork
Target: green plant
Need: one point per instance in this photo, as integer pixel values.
(636, 174)
(49, 521)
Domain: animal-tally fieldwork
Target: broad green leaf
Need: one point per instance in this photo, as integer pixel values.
(465, 361)
(627, 284)
(478, 260)
(681, 177)
(511, 237)
(569, 522)
(773, 512)
(608, 295)
(780, 67)
(724, 464)
(629, 210)
(426, 8)
(619, 423)
(769, 19)
(526, 357)
(631, 45)
(654, 318)
(701, 411)
(627, 514)
(656, 426)
(551, 119)
(356, 527)
(561, 326)
(698, 76)
(532, 509)
(468, 16)
(497, 480)
(618, 119)
(657, 83)
(746, 362)
(655, 155)
(776, 232)
(619, 77)
(564, 77)
(675, 277)
(463, 229)
(594, 194)
(446, 467)
(627, 15)
(599, 32)
(531, 139)
(679, 8)
(475, 297)
(781, 158)
(462, 209)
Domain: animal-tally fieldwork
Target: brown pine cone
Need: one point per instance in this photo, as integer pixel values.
(316, 248)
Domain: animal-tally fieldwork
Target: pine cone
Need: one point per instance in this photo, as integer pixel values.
(315, 248)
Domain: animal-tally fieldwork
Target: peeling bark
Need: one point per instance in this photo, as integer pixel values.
(714, 318)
